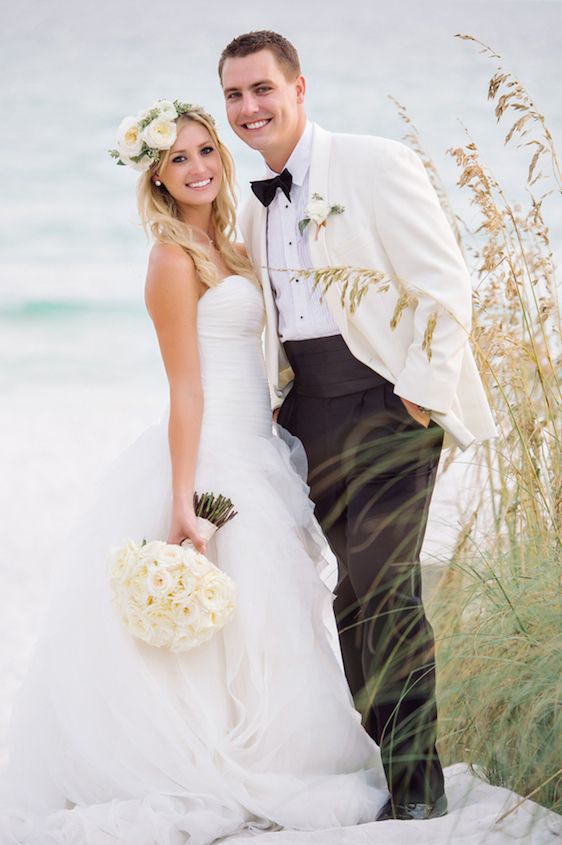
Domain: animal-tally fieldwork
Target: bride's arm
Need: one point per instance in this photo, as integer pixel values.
(171, 294)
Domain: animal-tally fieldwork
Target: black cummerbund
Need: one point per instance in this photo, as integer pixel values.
(324, 366)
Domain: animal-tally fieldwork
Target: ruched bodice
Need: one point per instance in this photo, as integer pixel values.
(230, 321)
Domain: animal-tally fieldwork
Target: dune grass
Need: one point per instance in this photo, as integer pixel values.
(497, 612)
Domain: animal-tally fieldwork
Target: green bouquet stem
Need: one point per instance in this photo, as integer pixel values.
(216, 509)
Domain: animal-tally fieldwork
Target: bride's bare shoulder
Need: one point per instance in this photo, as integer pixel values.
(168, 255)
(170, 278)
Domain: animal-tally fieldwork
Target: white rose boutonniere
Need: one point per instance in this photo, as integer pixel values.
(318, 210)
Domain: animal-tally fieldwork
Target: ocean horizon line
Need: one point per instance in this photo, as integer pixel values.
(46, 308)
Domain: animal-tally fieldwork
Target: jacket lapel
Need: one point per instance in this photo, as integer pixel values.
(318, 184)
(317, 242)
(274, 353)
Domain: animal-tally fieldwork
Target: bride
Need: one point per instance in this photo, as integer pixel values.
(113, 740)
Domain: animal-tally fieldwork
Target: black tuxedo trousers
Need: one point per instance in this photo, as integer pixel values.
(372, 471)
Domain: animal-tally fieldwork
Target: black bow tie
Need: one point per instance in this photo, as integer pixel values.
(265, 189)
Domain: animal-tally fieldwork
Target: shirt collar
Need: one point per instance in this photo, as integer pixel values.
(299, 160)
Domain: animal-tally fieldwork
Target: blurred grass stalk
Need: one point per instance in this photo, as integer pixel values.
(497, 610)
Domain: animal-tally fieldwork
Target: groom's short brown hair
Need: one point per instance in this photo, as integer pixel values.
(263, 39)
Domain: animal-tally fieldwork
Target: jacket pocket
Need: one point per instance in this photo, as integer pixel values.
(351, 249)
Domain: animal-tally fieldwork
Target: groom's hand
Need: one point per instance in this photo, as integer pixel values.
(276, 414)
(415, 411)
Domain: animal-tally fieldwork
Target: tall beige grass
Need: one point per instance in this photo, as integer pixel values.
(497, 612)
(498, 609)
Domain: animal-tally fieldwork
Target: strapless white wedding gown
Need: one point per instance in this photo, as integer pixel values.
(255, 728)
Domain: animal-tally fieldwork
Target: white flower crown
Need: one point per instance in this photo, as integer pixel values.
(141, 139)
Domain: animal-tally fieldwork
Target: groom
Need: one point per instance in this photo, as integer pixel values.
(371, 393)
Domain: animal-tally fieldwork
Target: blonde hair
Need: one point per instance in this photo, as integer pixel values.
(160, 214)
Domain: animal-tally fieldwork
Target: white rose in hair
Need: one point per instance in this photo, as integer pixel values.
(160, 134)
(317, 210)
(166, 108)
(141, 165)
(129, 140)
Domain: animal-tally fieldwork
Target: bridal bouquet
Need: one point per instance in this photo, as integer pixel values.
(171, 595)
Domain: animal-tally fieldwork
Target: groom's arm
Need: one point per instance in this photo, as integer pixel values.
(420, 244)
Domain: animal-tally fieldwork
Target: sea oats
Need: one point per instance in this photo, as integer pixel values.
(401, 304)
(511, 95)
(428, 333)
(499, 603)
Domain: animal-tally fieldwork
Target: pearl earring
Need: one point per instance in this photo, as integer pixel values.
(157, 182)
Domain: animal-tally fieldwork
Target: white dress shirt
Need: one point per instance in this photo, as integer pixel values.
(301, 313)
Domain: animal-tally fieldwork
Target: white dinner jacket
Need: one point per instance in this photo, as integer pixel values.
(392, 222)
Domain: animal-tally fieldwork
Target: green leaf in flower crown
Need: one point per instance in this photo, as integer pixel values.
(303, 224)
(146, 152)
(182, 108)
(148, 118)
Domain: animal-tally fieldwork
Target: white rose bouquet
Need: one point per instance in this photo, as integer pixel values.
(170, 595)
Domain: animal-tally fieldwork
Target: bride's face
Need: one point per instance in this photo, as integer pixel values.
(193, 172)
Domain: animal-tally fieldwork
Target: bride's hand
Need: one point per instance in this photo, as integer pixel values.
(184, 526)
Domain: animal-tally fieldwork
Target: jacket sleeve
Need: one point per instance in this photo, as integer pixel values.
(422, 249)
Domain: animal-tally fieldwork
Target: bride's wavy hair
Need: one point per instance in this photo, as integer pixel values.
(160, 214)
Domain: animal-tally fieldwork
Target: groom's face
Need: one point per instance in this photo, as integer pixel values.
(264, 106)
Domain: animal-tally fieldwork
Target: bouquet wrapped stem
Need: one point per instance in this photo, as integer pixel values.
(215, 509)
(212, 513)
